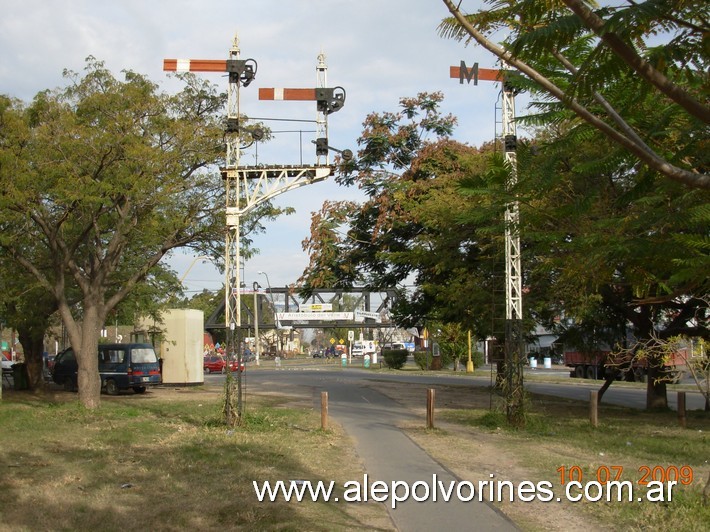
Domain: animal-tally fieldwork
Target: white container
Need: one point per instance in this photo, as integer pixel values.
(533, 363)
(182, 346)
(547, 362)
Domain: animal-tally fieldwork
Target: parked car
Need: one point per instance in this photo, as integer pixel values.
(218, 364)
(6, 364)
(121, 367)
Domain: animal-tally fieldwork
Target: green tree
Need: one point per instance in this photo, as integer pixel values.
(208, 301)
(621, 92)
(31, 313)
(578, 56)
(414, 224)
(98, 182)
(605, 242)
(453, 343)
(611, 245)
(611, 248)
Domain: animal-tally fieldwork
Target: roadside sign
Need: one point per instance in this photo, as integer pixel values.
(360, 315)
(351, 336)
(316, 307)
(332, 341)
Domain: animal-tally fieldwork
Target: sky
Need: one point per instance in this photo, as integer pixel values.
(378, 51)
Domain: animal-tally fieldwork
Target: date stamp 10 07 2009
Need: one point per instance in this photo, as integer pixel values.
(682, 475)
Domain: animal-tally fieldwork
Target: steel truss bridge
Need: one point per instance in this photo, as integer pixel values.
(372, 309)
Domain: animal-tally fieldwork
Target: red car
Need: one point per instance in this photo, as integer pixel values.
(217, 364)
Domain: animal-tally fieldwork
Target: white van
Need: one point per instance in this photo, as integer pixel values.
(360, 349)
(394, 346)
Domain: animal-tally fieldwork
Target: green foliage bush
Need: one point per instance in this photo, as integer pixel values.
(476, 358)
(395, 358)
(420, 358)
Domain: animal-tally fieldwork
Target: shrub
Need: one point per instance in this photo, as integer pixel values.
(395, 358)
(420, 358)
(476, 358)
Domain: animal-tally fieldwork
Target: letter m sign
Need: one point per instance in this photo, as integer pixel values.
(468, 74)
(474, 73)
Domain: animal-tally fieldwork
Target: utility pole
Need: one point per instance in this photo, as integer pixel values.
(514, 345)
(257, 344)
(246, 187)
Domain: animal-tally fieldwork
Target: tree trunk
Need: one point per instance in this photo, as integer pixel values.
(611, 374)
(609, 378)
(87, 357)
(32, 340)
(30, 317)
(656, 386)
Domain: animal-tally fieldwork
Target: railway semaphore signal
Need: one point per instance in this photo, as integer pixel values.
(513, 268)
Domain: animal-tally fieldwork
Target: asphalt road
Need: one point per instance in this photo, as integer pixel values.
(617, 394)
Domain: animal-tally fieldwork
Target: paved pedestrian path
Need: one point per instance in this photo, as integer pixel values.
(372, 420)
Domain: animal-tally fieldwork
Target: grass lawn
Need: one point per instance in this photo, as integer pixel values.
(164, 461)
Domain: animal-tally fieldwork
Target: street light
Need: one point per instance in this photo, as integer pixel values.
(194, 261)
(273, 305)
(256, 287)
(271, 295)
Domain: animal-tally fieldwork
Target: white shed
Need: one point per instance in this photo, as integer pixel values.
(182, 346)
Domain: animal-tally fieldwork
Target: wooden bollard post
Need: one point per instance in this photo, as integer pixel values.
(430, 408)
(324, 410)
(594, 407)
(681, 409)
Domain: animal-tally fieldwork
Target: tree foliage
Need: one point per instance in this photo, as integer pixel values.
(610, 245)
(617, 252)
(607, 245)
(414, 227)
(99, 181)
(620, 93)
(580, 57)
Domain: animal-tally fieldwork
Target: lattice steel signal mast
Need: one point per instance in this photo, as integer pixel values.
(513, 267)
(241, 73)
(247, 187)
